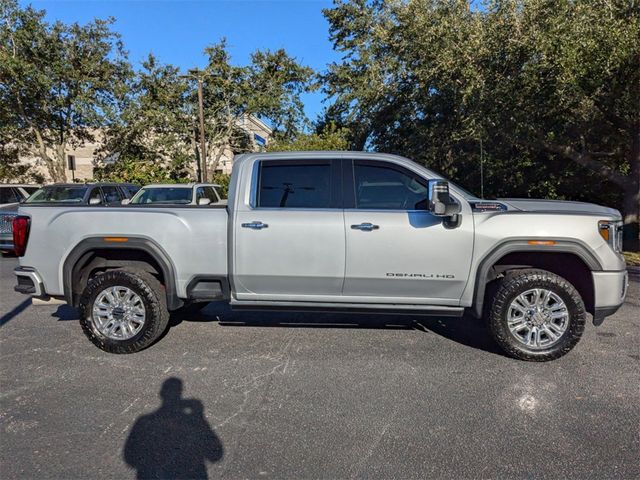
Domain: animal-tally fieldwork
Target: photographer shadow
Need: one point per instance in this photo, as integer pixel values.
(175, 441)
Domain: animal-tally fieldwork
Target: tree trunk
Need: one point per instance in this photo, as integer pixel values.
(59, 170)
(631, 202)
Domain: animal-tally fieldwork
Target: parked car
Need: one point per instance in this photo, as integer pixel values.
(349, 231)
(178, 194)
(10, 198)
(93, 194)
(103, 193)
(12, 194)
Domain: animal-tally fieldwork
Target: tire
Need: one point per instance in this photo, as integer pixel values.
(150, 294)
(511, 289)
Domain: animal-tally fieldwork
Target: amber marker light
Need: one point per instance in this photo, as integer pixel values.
(604, 227)
(542, 242)
(116, 239)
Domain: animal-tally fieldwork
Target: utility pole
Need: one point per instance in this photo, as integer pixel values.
(201, 159)
(203, 151)
(481, 171)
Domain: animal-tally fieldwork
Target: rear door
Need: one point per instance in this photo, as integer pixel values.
(289, 237)
(396, 251)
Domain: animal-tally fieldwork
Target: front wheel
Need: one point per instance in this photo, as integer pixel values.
(536, 315)
(123, 312)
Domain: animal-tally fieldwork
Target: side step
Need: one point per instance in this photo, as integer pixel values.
(375, 308)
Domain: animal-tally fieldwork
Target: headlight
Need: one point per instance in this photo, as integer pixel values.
(611, 232)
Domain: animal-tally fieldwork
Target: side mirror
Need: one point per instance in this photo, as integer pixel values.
(95, 201)
(204, 201)
(126, 201)
(441, 204)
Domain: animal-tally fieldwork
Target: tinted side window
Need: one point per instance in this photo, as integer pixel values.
(387, 187)
(210, 194)
(95, 193)
(111, 195)
(9, 195)
(295, 184)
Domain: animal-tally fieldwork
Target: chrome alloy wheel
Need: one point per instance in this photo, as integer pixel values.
(118, 313)
(538, 318)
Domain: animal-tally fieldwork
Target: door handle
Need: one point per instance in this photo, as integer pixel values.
(255, 225)
(365, 227)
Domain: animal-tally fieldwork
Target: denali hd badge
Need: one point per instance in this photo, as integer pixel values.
(420, 275)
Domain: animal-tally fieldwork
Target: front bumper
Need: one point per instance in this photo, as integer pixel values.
(609, 290)
(29, 282)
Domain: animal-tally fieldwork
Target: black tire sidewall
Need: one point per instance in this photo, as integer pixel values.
(151, 299)
(514, 285)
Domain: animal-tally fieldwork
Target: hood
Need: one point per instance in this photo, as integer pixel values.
(533, 205)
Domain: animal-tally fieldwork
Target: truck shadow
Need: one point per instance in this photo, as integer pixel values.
(466, 330)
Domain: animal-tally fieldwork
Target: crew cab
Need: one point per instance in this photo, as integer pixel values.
(331, 231)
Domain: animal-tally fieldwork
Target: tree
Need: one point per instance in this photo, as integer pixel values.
(58, 82)
(268, 88)
(328, 138)
(548, 89)
(155, 126)
(159, 114)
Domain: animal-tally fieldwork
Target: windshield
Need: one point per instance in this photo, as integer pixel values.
(58, 194)
(177, 195)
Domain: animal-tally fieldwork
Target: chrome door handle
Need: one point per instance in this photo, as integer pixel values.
(255, 225)
(365, 227)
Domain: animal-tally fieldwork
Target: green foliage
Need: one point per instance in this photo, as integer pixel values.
(159, 115)
(223, 180)
(58, 82)
(12, 171)
(140, 172)
(329, 138)
(550, 89)
(155, 121)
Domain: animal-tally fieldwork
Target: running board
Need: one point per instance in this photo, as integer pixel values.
(375, 308)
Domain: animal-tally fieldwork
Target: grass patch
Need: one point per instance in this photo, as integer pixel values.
(632, 258)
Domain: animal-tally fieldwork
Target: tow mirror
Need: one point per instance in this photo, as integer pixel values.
(204, 201)
(441, 204)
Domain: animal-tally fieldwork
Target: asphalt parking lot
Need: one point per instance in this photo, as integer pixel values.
(282, 395)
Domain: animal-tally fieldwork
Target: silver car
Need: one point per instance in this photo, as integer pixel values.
(178, 194)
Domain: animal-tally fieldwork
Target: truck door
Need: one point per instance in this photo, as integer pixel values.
(397, 252)
(289, 238)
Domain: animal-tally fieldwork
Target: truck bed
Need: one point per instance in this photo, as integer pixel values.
(194, 238)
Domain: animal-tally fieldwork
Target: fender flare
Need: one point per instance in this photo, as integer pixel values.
(144, 244)
(575, 247)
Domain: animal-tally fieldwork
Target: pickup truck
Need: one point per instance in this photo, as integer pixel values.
(331, 231)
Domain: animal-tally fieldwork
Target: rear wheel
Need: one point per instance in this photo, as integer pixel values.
(536, 315)
(123, 312)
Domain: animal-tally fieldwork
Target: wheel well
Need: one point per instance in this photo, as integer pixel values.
(567, 265)
(97, 261)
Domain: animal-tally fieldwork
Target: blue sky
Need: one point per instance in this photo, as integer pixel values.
(176, 31)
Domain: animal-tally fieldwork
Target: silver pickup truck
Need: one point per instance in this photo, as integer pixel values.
(344, 231)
